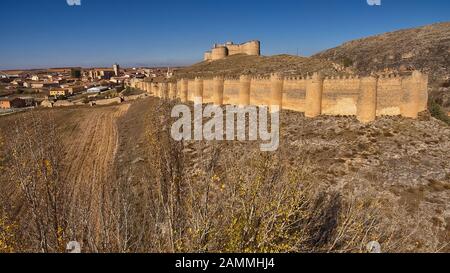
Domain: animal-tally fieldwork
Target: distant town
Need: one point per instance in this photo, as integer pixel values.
(21, 90)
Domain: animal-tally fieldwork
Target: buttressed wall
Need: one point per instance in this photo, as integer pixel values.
(219, 51)
(366, 98)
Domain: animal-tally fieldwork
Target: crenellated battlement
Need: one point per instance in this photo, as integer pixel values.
(364, 97)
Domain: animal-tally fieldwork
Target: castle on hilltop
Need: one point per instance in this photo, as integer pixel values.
(221, 51)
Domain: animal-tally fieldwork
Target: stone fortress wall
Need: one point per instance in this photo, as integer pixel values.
(221, 51)
(366, 98)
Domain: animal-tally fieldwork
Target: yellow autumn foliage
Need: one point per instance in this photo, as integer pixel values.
(6, 235)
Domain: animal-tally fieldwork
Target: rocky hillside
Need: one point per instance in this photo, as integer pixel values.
(259, 65)
(402, 163)
(425, 48)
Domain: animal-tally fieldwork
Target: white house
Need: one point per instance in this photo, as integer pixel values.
(97, 89)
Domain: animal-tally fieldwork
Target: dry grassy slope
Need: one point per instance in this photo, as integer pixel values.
(258, 65)
(404, 162)
(425, 48)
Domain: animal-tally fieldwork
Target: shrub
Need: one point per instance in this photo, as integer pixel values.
(437, 112)
(7, 236)
(347, 62)
(220, 204)
(192, 197)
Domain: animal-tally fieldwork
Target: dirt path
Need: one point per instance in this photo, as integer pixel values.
(91, 147)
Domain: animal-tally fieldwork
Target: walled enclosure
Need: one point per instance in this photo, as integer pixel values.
(219, 52)
(366, 98)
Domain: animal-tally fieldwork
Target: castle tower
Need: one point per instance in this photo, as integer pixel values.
(116, 69)
(314, 90)
(157, 90)
(219, 53)
(367, 100)
(148, 87)
(165, 90)
(218, 87)
(252, 48)
(207, 56)
(244, 90)
(414, 95)
(422, 85)
(276, 91)
(172, 91)
(153, 90)
(184, 90)
(198, 92)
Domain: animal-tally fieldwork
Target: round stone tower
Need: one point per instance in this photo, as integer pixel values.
(313, 100)
(219, 53)
(415, 95)
(244, 90)
(207, 56)
(218, 85)
(252, 48)
(367, 100)
(276, 92)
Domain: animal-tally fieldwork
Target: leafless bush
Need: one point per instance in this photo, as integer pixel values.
(7, 234)
(220, 204)
(38, 196)
(193, 197)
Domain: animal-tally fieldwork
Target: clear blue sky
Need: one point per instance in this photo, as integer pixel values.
(50, 33)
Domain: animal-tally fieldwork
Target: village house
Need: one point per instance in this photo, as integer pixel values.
(73, 89)
(5, 80)
(118, 80)
(8, 103)
(38, 85)
(97, 89)
(59, 92)
(66, 91)
(17, 82)
(101, 74)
